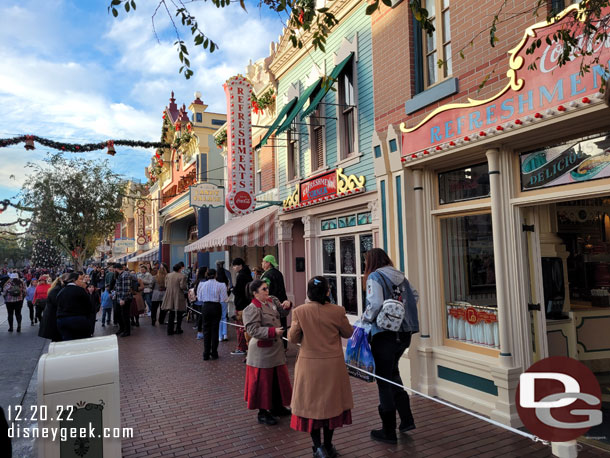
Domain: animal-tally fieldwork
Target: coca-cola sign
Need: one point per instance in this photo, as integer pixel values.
(240, 161)
(535, 83)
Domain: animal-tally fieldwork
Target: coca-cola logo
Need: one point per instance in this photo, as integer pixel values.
(243, 200)
(552, 53)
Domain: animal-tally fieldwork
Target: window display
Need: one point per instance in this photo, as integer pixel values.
(464, 184)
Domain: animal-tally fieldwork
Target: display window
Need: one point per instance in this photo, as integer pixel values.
(343, 266)
(463, 184)
(469, 281)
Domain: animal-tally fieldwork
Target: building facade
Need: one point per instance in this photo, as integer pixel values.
(508, 195)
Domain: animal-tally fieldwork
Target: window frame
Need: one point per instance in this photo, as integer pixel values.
(317, 123)
(442, 73)
(258, 180)
(344, 110)
(292, 155)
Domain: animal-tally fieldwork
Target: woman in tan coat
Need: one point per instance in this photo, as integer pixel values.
(175, 298)
(267, 381)
(322, 396)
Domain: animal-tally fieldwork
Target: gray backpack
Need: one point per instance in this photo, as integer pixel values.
(392, 311)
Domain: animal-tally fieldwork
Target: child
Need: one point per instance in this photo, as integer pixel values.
(29, 297)
(106, 306)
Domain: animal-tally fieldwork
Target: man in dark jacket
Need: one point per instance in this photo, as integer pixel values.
(242, 300)
(275, 280)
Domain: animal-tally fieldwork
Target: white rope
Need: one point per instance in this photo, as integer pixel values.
(430, 398)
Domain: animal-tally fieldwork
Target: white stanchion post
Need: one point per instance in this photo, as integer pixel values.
(565, 449)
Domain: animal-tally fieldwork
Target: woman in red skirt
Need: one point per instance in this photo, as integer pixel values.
(268, 386)
(322, 397)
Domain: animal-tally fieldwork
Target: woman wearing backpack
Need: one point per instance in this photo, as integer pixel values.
(383, 283)
(14, 293)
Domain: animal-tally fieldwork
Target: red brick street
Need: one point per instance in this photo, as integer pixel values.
(180, 406)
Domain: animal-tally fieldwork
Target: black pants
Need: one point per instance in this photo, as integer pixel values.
(125, 317)
(40, 305)
(387, 348)
(162, 314)
(31, 307)
(211, 313)
(154, 306)
(116, 312)
(170, 321)
(15, 308)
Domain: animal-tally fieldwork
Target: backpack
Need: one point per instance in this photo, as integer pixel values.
(14, 290)
(392, 312)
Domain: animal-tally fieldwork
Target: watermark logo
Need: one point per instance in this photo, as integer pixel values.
(559, 399)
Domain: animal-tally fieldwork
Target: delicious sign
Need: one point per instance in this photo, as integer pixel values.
(529, 92)
(564, 164)
(319, 186)
(240, 162)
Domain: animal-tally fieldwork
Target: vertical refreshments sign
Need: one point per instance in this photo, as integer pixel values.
(240, 161)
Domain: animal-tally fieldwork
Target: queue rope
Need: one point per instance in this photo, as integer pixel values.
(430, 398)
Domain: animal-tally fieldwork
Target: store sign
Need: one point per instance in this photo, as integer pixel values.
(473, 316)
(206, 195)
(318, 187)
(568, 163)
(141, 223)
(240, 161)
(123, 245)
(527, 95)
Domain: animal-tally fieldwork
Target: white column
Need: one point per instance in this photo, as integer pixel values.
(418, 189)
(310, 255)
(284, 238)
(498, 223)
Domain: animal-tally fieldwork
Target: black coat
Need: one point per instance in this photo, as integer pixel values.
(242, 298)
(74, 301)
(275, 280)
(48, 325)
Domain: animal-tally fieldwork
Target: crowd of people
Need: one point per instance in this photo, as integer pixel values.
(320, 400)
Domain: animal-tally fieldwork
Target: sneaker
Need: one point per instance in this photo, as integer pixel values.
(199, 335)
(148, 314)
(238, 352)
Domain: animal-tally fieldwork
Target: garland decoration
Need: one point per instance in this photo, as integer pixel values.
(260, 104)
(221, 138)
(20, 221)
(78, 147)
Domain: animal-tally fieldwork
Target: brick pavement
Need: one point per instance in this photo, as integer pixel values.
(180, 406)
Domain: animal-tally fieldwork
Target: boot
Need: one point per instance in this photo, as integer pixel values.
(319, 452)
(387, 433)
(407, 423)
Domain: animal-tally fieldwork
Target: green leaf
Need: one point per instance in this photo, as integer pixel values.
(372, 8)
(387, 3)
(115, 13)
(133, 4)
(212, 46)
(205, 43)
(115, 2)
(127, 6)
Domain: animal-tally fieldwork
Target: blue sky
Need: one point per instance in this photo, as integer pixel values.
(69, 71)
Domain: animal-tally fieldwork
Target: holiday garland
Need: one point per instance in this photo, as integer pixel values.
(77, 147)
(221, 138)
(260, 104)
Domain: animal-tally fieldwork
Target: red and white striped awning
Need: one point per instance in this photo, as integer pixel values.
(254, 229)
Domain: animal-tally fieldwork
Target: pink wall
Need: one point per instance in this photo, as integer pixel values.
(298, 250)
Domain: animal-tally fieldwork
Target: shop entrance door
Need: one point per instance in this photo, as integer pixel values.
(533, 277)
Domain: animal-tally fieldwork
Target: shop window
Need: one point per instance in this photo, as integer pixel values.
(328, 224)
(437, 46)
(259, 175)
(292, 172)
(347, 221)
(316, 138)
(464, 184)
(469, 281)
(343, 265)
(347, 111)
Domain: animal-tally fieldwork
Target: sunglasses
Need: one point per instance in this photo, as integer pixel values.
(264, 288)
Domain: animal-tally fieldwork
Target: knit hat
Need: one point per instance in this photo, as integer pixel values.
(271, 260)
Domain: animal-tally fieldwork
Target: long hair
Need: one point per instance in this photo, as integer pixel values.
(375, 259)
(221, 276)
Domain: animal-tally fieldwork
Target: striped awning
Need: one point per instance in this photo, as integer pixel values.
(254, 229)
(149, 255)
(126, 257)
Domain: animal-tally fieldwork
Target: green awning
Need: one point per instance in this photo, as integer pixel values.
(299, 105)
(278, 121)
(325, 88)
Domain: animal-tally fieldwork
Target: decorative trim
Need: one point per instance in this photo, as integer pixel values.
(469, 380)
(578, 342)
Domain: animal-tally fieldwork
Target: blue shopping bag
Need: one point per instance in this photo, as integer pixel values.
(358, 355)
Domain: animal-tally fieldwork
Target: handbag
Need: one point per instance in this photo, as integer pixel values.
(359, 356)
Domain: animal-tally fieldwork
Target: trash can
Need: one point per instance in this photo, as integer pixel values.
(79, 399)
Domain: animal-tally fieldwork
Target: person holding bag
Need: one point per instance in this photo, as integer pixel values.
(387, 290)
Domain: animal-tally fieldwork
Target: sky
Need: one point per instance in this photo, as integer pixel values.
(71, 72)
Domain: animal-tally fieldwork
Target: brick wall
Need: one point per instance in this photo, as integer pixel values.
(393, 63)
(267, 158)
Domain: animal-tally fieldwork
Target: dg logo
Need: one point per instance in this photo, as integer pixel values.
(559, 399)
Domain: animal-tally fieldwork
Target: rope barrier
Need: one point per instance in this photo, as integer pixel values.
(430, 398)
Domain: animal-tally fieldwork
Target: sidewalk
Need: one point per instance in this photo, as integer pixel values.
(180, 406)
